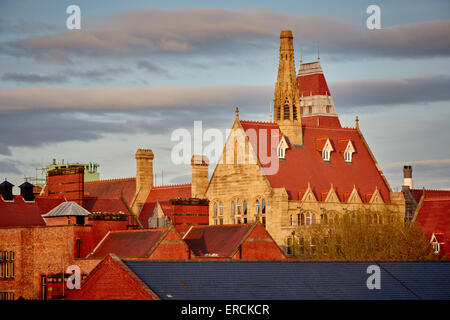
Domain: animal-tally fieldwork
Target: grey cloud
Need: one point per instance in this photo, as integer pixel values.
(221, 31)
(152, 68)
(390, 91)
(9, 166)
(346, 94)
(34, 78)
(63, 77)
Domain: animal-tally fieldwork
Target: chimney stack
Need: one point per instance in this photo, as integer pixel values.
(144, 177)
(67, 182)
(200, 179)
(6, 190)
(26, 190)
(407, 177)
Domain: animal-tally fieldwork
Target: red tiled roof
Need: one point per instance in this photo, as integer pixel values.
(106, 205)
(312, 84)
(434, 215)
(136, 243)
(19, 213)
(222, 240)
(305, 164)
(162, 194)
(321, 121)
(111, 188)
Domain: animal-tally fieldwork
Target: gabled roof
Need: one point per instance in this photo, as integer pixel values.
(242, 280)
(217, 240)
(129, 243)
(162, 194)
(20, 213)
(305, 164)
(106, 205)
(65, 209)
(111, 188)
(434, 215)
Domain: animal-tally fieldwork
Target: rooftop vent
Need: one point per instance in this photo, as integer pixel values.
(6, 190)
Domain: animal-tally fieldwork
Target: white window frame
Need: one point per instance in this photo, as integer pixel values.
(326, 151)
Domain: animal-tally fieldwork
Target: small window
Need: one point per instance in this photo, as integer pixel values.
(263, 206)
(221, 209)
(348, 156)
(308, 219)
(215, 209)
(257, 207)
(286, 112)
(245, 207)
(80, 220)
(291, 220)
(326, 155)
(239, 211)
(233, 208)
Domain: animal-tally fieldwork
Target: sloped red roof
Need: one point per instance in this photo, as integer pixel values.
(135, 243)
(111, 188)
(222, 240)
(305, 165)
(312, 84)
(19, 213)
(162, 194)
(434, 215)
(321, 121)
(106, 205)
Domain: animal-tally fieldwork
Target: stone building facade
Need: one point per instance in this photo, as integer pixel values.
(300, 168)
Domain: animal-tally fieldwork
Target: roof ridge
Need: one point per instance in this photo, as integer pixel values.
(139, 230)
(109, 180)
(173, 185)
(259, 122)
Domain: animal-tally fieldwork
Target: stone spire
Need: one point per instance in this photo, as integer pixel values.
(287, 99)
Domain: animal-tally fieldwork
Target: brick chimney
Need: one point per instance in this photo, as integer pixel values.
(200, 179)
(144, 177)
(68, 182)
(407, 177)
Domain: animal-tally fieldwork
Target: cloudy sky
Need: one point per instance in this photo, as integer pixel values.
(138, 70)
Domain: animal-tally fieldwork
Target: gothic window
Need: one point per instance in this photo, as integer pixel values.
(239, 211)
(313, 218)
(324, 218)
(281, 148)
(308, 219)
(257, 207)
(263, 206)
(233, 208)
(6, 264)
(349, 150)
(326, 151)
(278, 115)
(221, 209)
(289, 246)
(286, 112)
(215, 209)
(294, 112)
(301, 219)
(245, 207)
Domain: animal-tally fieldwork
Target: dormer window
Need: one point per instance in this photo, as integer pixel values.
(326, 151)
(281, 149)
(348, 153)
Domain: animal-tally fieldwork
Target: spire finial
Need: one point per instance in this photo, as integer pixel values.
(357, 122)
(237, 113)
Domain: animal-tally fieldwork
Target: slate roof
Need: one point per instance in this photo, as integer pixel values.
(135, 243)
(222, 240)
(19, 213)
(65, 209)
(162, 194)
(111, 188)
(243, 280)
(305, 164)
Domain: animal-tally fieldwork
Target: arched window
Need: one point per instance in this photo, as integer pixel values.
(215, 209)
(257, 207)
(221, 209)
(239, 211)
(314, 246)
(263, 206)
(286, 112)
(294, 112)
(233, 208)
(324, 218)
(289, 245)
(313, 218)
(291, 220)
(245, 207)
(328, 109)
(308, 219)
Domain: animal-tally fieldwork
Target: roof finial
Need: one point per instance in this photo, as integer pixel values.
(318, 51)
(237, 113)
(357, 122)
